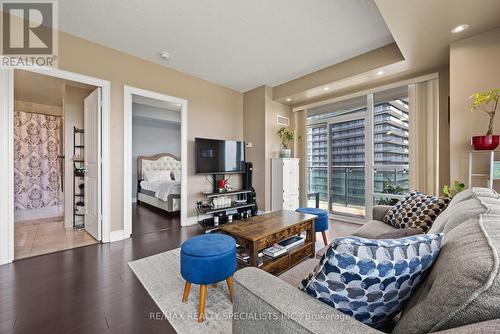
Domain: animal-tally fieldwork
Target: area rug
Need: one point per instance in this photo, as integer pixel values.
(160, 275)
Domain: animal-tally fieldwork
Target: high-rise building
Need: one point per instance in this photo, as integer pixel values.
(347, 145)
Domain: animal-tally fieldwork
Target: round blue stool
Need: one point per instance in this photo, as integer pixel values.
(320, 223)
(208, 259)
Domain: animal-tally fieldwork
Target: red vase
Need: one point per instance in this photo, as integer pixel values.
(485, 143)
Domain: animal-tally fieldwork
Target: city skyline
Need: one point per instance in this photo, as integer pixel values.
(347, 144)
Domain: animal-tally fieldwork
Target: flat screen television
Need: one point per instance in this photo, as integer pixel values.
(219, 156)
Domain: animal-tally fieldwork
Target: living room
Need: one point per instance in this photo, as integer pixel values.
(338, 165)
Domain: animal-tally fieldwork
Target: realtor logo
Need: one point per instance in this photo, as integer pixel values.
(29, 33)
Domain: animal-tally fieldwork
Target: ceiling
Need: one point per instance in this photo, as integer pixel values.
(422, 32)
(239, 44)
(424, 37)
(42, 89)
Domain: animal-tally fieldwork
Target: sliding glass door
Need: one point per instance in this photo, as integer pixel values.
(347, 167)
(358, 152)
(391, 137)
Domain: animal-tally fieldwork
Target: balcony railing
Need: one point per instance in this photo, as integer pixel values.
(347, 186)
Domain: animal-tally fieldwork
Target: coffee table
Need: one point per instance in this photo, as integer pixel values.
(259, 232)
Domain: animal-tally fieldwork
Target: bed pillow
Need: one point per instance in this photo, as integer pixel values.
(157, 175)
(416, 210)
(370, 280)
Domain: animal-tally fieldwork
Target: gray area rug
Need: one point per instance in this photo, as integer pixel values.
(160, 275)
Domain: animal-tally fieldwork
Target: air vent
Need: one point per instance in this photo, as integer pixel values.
(282, 120)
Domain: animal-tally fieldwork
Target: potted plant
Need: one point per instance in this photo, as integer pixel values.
(487, 102)
(285, 136)
(388, 187)
(450, 191)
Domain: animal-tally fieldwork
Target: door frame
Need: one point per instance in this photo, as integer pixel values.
(128, 92)
(367, 118)
(7, 152)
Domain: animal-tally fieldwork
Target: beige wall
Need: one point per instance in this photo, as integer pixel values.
(213, 111)
(273, 146)
(37, 108)
(253, 132)
(301, 88)
(260, 128)
(474, 67)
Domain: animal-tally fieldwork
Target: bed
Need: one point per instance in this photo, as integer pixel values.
(153, 184)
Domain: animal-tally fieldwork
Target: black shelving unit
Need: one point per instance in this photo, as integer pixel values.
(236, 210)
(78, 175)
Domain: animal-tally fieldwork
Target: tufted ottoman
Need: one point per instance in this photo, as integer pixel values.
(207, 259)
(321, 223)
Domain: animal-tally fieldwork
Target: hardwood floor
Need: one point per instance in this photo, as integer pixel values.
(86, 290)
(147, 219)
(91, 289)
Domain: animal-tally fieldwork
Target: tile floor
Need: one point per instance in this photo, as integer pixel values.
(45, 236)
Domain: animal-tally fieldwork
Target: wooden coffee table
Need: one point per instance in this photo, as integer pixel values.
(259, 232)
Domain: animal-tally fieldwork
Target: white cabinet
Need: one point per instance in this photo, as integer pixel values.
(285, 184)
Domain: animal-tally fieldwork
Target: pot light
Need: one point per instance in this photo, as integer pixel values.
(459, 28)
(288, 99)
(326, 88)
(165, 55)
(380, 72)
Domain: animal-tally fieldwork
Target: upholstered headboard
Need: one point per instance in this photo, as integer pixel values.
(163, 161)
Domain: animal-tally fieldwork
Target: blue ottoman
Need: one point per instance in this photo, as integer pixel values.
(208, 259)
(321, 223)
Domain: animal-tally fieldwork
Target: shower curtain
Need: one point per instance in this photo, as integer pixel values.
(37, 173)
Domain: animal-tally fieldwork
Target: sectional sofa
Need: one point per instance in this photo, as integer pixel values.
(461, 293)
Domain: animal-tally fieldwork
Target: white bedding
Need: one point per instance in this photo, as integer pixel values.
(162, 189)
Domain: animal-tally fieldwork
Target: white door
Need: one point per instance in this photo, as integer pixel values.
(92, 158)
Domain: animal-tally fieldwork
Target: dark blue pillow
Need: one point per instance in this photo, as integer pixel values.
(370, 280)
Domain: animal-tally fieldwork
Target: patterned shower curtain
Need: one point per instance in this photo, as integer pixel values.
(37, 172)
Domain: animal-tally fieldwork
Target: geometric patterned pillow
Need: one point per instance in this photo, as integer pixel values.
(370, 280)
(416, 210)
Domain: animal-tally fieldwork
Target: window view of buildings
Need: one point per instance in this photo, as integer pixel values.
(347, 150)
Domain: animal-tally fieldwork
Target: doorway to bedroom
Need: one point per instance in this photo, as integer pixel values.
(155, 164)
(53, 129)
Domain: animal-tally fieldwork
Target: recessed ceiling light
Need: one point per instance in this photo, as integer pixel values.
(380, 72)
(459, 28)
(165, 55)
(326, 88)
(288, 99)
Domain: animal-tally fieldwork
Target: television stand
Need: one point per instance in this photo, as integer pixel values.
(242, 206)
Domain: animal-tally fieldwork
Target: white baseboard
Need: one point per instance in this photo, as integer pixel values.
(116, 236)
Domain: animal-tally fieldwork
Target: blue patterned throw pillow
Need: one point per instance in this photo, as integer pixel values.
(370, 280)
